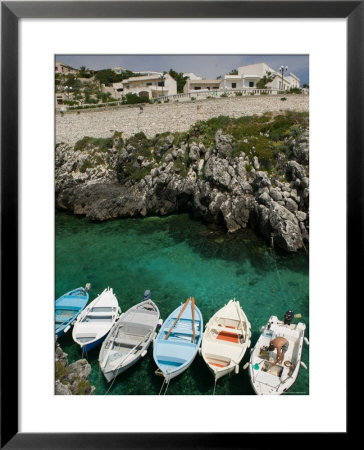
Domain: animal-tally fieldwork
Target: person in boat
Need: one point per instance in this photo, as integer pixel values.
(281, 345)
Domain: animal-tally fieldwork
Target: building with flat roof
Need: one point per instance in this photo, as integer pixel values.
(201, 85)
(151, 86)
(64, 68)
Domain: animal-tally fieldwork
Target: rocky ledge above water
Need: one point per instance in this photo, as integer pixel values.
(71, 379)
(248, 172)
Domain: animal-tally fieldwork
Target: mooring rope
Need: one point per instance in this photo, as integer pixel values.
(214, 387)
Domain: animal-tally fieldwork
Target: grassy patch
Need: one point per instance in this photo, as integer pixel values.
(81, 387)
(61, 371)
(98, 144)
(136, 174)
(180, 167)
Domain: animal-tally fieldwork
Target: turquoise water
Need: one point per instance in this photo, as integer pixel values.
(176, 257)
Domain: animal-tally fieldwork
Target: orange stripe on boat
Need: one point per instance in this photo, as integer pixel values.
(216, 364)
(226, 336)
(228, 326)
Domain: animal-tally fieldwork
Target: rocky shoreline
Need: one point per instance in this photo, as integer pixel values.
(240, 174)
(71, 379)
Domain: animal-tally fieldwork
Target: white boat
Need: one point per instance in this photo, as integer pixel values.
(267, 377)
(226, 339)
(129, 339)
(95, 321)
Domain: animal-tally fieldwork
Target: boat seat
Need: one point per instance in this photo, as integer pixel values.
(184, 332)
(228, 336)
(125, 342)
(267, 378)
(100, 313)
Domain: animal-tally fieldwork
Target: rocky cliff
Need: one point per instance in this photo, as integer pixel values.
(251, 171)
(71, 379)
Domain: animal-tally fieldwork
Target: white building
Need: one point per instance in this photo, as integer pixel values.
(64, 68)
(151, 86)
(232, 82)
(201, 85)
(192, 76)
(247, 77)
(252, 73)
(294, 80)
(119, 70)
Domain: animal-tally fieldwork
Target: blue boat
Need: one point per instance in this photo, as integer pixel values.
(178, 340)
(68, 307)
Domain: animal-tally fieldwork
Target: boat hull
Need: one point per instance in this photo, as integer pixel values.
(91, 345)
(226, 340)
(174, 353)
(72, 303)
(129, 339)
(114, 373)
(95, 321)
(267, 378)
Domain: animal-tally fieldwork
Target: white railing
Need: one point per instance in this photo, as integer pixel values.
(218, 93)
(186, 96)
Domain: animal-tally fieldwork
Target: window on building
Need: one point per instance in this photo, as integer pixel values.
(215, 87)
(197, 88)
(251, 83)
(120, 90)
(161, 83)
(149, 84)
(233, 85)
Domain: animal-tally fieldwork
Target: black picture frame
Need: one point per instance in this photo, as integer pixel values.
(11, 12)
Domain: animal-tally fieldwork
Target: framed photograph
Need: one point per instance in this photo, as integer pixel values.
(41, 254)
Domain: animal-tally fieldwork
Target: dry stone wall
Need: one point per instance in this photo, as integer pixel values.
(159, 118)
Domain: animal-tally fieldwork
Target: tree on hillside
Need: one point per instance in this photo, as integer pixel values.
(84, 72)
(268, 78)
(108, 76)
(180, 79)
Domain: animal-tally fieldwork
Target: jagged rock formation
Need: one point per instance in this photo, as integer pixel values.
(71, 379)
(215, 181)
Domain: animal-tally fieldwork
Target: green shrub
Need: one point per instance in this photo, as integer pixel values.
(294, 90)
(180, 167)
(81, 387)
(283, 99)
(133, 99)
(238, 94)
(86, 165)
(99, 144)
(61, 371)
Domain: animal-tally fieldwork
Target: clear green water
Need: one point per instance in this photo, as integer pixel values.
(176, 257)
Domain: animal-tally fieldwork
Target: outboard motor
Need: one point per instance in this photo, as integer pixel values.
(288, 317)
(147, 295)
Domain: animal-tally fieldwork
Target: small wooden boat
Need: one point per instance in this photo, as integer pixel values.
(68, 307)
(267, 377)
(95, 321)
(178, 340)
(226, 339)
(129, 339)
